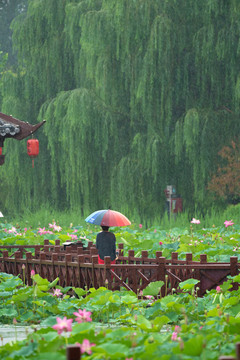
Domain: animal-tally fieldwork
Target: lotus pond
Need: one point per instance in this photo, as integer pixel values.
(120, 324)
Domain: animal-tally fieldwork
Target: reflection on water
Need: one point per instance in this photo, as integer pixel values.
(12, 333)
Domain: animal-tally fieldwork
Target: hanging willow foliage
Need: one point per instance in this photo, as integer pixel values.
(137, 95)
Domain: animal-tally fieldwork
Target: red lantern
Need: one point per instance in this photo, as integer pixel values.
(0, 150)
(33, 149)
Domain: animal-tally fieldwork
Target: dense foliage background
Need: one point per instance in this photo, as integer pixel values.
(137, 95)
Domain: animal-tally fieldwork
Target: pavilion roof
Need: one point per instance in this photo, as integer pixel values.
(11, 127)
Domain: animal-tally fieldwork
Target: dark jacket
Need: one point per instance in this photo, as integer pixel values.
(106, 245)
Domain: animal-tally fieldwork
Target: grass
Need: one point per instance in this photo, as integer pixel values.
(44, 216)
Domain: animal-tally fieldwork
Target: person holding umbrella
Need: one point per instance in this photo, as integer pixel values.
(106, 245)
(106, 240)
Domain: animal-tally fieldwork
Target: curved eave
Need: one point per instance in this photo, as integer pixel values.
(26, 129)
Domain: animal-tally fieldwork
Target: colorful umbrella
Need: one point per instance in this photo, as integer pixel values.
(108, 218)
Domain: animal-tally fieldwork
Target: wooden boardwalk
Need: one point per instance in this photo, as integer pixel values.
(77, 266)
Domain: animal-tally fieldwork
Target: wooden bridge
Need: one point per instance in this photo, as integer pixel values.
(77, 266)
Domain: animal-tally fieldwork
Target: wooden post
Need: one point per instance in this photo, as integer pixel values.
(90, 244)
(80, 250)
(234, 270)
(130, 254)
(81, 258)
(5, 253)
(73, 352)
(42, 258)
(161, 273)
(20, 249)
(57, 248)
(144, 261)
(37, 251)
(5, 256)
(80, 276)
(234, 265)
(54, 259)
(93, 251)
(158, 254)
(188, 261)
(174, 257)
(203, 258)
(94, 277)
(57, 242)
(17, 256)
(27, 269)
(121, 249)
(238, 350)
(46, 248)
(188, 257)
(68, 259)
(144, 255)
(107, 274)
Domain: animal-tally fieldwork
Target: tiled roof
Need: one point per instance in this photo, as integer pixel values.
(7, 129)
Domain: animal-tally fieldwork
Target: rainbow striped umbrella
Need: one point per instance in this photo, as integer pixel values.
(108, 218)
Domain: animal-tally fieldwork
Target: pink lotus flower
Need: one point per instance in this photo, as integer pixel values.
(32, 273)
(73, 237)
(195, 221)
(12, 230)
(63, 325)
(228, 223)
(140, 226)
(83, 316)
(160, 243)
(177, 328)
(175, 337)
(86, 346)
(55, 227)
(42, 231)
(155, 230)
(57, 292)
(218, 289)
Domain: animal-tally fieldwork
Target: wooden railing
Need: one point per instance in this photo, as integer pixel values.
(77, 266)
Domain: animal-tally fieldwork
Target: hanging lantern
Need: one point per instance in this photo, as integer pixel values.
(2, 157)
(33, 149)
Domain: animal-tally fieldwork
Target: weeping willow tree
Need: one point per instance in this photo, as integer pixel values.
(211, 120)
(137, 95)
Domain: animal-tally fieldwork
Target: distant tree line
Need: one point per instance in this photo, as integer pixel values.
(137, 95)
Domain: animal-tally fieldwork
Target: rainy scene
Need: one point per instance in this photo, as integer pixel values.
(119, 179)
